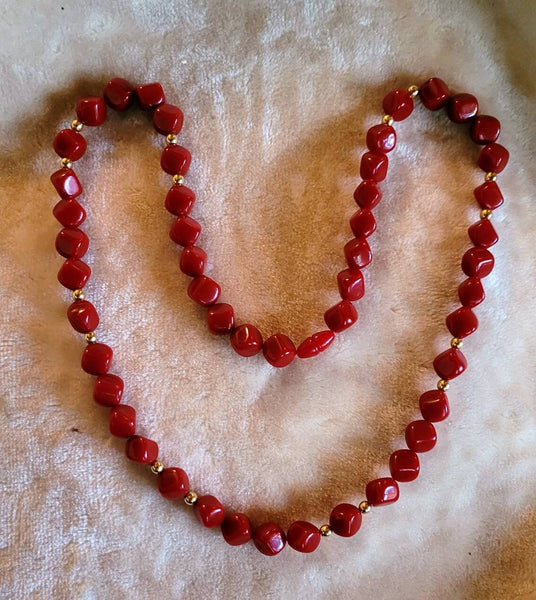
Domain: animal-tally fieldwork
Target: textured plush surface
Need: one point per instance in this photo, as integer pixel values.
(277, 99)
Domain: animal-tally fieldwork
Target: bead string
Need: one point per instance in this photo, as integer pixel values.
(420, 435)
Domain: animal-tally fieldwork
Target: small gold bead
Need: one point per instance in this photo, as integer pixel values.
(190, 498)
(491, 176)
(413, 90)
(66, 163)
(171, 138)
(325, 530)
(91, 337)
(365, 507)
(178, 179)
(443, 385)
(456, 342)
(157, 467)
(387, 120)
(76, 125)
(78, 295)
(486, 213)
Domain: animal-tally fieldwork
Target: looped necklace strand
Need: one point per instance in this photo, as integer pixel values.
(279, 350)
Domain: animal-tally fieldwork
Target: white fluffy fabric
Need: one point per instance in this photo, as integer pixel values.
(277, 98)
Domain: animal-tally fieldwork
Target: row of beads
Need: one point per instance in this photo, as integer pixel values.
(173, 483)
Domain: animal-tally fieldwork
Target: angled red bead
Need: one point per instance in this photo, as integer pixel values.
(83, 316)
(471, 292)
(97, 359)
(450, 363)
(74, 274)
(70, 144)
(91, 111)
(209, 510)
(246, 340)
(489, 195)
(341, 316)
(434, 406)
(66, 183)
(269, 539)
(173, 483)
(179, 200)
(204, 291)
(462, 322)
(193, 260)
(383, 490)
(482, 233)
(404, 465)
(71, 242)
(220, 318)
(367, 194)
(168, 119)
(373, 166)
(123, 420)
(345, 519)
(398, 103)
(236, 529)
(303, 536)
(462, 108)
(493, 158)
(485, 129)
(381, 138)
(108, 390)
(279, 350)
(434, 93)
(421, 436)
(69, 213)
(351, 284)
(119, 94)
(141, 449)
(358, 253)
(363, 223)
(150, 95)
(477, 262)
(175, 160)
(185, 231)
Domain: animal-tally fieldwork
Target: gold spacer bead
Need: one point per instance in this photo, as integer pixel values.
(443, 385)
(171, 138)
(78, 295)
(365, 507)
(413, 90)
(178, 179)
(491, 176)
(91, 337)
(76, 125)
(190, 499)
(486, 213)
(387, 120)
(325, 530)
(456, 342)
(66, 163)
(157, 467)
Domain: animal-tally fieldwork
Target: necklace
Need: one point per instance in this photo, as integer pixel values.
(279, 350)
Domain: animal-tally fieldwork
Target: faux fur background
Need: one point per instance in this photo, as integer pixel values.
(277, 99)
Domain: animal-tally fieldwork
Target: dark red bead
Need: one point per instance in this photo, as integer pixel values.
(119, 94)
(477, 262)
(398, 103)
(381, 138)
(168, 119)
(123, 421)
(204, 291)
(185, 231)
(363, 223)
(345, 520)
(141, 450)
(471, 292)
(485, 129)
(303, 536)
(193, 260)
(180, 200)
(69, 213)
(382, 491)
(72, 242)
(462, 108)
(341, 316)
(83, 316)
(493, 158)
(367, 194)
(421, 436)
(70, 144)
(358, 253)
(175, 160)
(91, 111)
(462, 322)
(269, 539)
(404, 465)
(173, 483)
(482, 233)
(315, 344)
(450, 364)
(150, 95)
(434, 406)
(373, 166)
(279, 350)
(351, 284)
(97, 359)
(66, 183)
(209, 510)
(434, 93)
(246, 340)
(73, 274)
(488, 195)
(108, 390)
(220, 318)
(236, 529)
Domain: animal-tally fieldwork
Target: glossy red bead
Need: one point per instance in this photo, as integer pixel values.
(220, 318)
(70, 144)
(382, 491)
(381, 138)
(315, 344)
(341, 316)
(358, 253)
(69, 213)
(373, 166)
(180, 200)
(367, 194)
(421, 436)
(279, 350)
(185, 231)
(74, 274)
(462, 322)
(246, 340)
(168, 119)
(363, 223)
(71, 242)
(303, 536)
(434, 93)
(493, 158)
(108, 390)
(175, 160)
(236, 529)
(462, 108)
(398, 103)
(488, 195)
(471, 292)
(209, 510)
(173, 483)
(97, 359)
(477, 262)
(351, 284)
(83, 316)
(269, 539)
(193, 260)
(66, 183)
(123, 421)
(482, 233)
(485, 129)
(91, 111)
(141, 450)
(345, 520)
(450, 364)
(119, 94)
(434, 406)
(150, 95)
(204, 291)
(404, 465)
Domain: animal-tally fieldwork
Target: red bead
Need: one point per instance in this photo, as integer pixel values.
(119, 94)
(477, 262)
(193, 260)
(434, 406)
(398, 103)
(367, 194)
(83, 316)
(351, 284)
(220, 318)
(72, 242)
(471, 292)
(97, 359)
(185, 231)
(315, 344)
(404, 465)
(488, 195)
(279, 350)
(434, 93)
(73, 274)
(345, 520)
(485, 129)
(373, 166)
(482, 233)
(358, 253)
(179, 200)
(269, 539)
(493, 158)
(150, 95)
(462, 322)
(421, 436)
(341, 316)
(175, 160)
(204, 291)
(382, 491)
(91, 111)
(70, 144)
(462, 108)
(108, 390)
(173, 483)
(122, 421)
(381, 138)
(363, 223)
(69, 213)
(450, 364)
(246, 340)
(209, 510)
(66, 183)
(167, 119)
(141, 450)
(303, 536)
(236, 529)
